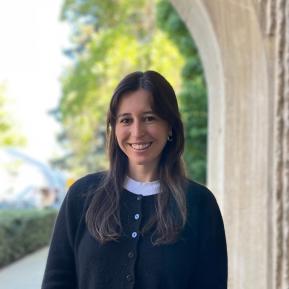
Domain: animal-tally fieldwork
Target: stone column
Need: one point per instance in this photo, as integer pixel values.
(244, 46)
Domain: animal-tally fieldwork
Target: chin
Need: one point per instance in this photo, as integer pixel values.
(140, 163)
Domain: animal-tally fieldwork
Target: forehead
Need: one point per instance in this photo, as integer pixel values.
(136, 101)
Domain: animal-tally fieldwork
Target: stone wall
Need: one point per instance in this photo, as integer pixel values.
(244, 46)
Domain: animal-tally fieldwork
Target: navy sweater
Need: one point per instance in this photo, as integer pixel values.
(198, 260)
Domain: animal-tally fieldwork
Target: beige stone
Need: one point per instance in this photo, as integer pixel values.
(244, 47)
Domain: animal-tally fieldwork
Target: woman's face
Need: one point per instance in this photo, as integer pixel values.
(140, 133)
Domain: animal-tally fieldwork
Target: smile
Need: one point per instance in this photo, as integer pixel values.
(140, 146)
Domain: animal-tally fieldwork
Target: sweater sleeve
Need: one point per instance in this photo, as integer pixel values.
(60, 272)
(212, 264)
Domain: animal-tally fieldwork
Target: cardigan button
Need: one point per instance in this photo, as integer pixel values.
(134, 234)
(139, 197)
(130, 254)
(136, 216)
(129, 277)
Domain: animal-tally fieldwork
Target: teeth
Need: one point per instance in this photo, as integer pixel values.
(140, 146)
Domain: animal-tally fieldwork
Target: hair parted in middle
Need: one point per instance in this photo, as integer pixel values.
(102, 216)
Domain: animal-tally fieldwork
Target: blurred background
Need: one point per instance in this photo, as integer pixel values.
(60, 61)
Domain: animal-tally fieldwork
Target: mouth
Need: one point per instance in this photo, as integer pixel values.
(140, 146)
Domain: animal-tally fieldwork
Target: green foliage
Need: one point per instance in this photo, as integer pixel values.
(109, 40)
(24, 231)
(192, 97)
(10, 135)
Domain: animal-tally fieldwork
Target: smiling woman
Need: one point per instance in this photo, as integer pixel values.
(142, 224)
(141, 134)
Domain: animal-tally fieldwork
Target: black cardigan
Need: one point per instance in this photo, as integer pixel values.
(198, 260)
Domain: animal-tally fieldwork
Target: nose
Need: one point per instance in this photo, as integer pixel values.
(137, 129)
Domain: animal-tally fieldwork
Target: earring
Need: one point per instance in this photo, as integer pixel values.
(170, 138)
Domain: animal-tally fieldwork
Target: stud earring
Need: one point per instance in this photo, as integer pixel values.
(170, 138)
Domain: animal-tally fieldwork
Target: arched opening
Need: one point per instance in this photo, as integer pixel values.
(192, 93)
(202, 31)
(229, 38)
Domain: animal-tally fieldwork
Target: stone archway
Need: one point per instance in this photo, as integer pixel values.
(245, 55)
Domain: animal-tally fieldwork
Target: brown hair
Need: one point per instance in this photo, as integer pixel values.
(102, 216)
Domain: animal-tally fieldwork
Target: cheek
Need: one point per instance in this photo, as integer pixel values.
(120, 135)
(160, 132)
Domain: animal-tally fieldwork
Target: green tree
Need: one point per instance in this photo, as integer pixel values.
(192, 97)
(109, 39)
(10, 135)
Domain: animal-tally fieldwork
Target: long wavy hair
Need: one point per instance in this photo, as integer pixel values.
(103, 214)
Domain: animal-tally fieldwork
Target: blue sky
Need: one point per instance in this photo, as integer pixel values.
(31, 61)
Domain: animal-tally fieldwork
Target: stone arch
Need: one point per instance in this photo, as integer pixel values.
(245, 56)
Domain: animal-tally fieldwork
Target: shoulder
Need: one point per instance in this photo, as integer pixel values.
(198, 194)
(84, 186)
(203, 207)
(85, 183)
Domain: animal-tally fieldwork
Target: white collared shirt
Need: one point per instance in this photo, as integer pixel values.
(142, 188)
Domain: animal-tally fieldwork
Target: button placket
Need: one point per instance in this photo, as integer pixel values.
(134, 229)
(137, 218)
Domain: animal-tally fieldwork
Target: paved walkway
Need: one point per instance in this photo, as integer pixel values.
(26, 273)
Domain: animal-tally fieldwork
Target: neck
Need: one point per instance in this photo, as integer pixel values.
(143, 174)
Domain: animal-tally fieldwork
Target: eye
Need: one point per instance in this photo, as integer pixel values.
(125, 120)
(149, 118)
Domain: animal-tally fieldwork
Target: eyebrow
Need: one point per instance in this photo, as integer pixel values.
(129, 114)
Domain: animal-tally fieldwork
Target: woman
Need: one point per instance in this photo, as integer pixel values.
(142, 224)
